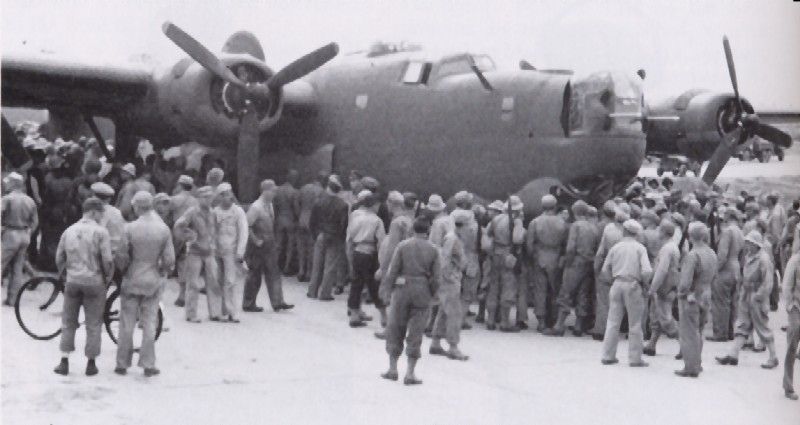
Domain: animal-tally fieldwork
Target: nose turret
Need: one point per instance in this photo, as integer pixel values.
(606, 104)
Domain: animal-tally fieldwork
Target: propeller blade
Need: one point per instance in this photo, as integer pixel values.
(772, 134)
(732, 70)
(199, 53)
(303, 66)
(247, 157)
(721, 156)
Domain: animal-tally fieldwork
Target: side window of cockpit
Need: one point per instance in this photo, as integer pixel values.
(417, 73)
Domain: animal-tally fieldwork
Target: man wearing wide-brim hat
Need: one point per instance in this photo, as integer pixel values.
(757, 281)
(505, 239)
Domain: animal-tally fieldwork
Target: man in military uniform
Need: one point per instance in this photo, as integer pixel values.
(506, 234)
(307, 197)
(723, 289)
(146, 256)
(329, 223)
(365, 233)
(545, 239)
(232, 235)
(611, 234)
(411, 280)
(19, 219)
(287, 208)
(663, 287)
(791, 296)
(578, 272)
(628, 267)
(468, 234)
(698, 270)
(83, 254)
(181, 202)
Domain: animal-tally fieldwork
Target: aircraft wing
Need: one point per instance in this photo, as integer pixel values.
(48, 82)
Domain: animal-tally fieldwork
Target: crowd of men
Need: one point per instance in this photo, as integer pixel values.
(653, 262)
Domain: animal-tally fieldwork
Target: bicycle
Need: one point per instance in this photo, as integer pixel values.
(40, 302)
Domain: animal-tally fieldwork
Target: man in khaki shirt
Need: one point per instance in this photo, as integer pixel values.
(19, 219)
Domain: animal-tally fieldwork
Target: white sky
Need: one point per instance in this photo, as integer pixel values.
(678, 42)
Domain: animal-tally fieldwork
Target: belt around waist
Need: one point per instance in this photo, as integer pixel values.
(14, 227)
(411, 280)
(625, 279)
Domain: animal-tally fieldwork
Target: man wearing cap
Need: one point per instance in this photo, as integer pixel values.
(494, 209)
(181, 202)
(752, 308)
(198, 228)
(546, 239)
(83, 254)
(162, 207)
(505, 240)
(307, 197)
(776, 221)
(112, 218)
(791, 296)
(449, 318)
(663, 288)
(698, 270)
(581, 246)
(365, 233)
(58, 211)
(441, 223)
(611, 234)
(146, 257)
(628, 267)
(469, 235)
(261, 253)
(413, 277)
(232, 234)
(130, 188)
(287, 209)
(329, 223)
(723, 289)
(19, 218)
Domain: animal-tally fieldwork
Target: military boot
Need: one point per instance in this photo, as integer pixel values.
(355, 319)
(559, 328)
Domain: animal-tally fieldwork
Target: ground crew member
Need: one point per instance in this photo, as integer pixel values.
(611, 234)
(492, 210)
(546, 239)
(197, 227)
(112, 218)
(791, 295)
(232, 234)
(287, 210)
(663, 288)
(401, 206)
(757, 276)
(504, 239)
(651, 236)
(130, 188)
(776, 221)
(450, 316)
(411, 280)
(329, 223)
(162, 207)
(261, 253)
(581, 246)
(468, 234)
(83, 254)
(365, 232)
(19, 217)
(307, 196)
(57, 212)
(628, 267)
(698, 270)
(723, 289)
(441, 225)
(146, 257)
(180, 203)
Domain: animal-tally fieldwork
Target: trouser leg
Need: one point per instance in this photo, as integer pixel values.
(721, 294)
(508, 295)
(302, 251)
(616, 309)
(289, 249)
(94, 302)
(317, 266)
(181, 266)
(128, 317)
(192, 269)
(252, 284)
(523, 296)
(149, 318)
(213, 288)
(417, 318)
(272, 277)
(792, 339)
(690, 339)
(396, 326)
(73, 298)
(634, 305)
(333, 270)
(602, 294)
(448, 319)
(540, 285)
(14, 249)
(554, 275)
(493, 293)
(230, 283)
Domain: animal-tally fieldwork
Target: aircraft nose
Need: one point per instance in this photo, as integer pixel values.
(606, 103)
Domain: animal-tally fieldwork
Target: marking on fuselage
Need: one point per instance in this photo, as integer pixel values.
(508, 104)
(361, 101)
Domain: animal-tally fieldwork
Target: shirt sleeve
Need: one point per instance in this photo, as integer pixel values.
(606, 271)
(168, 255)
(105, 254)
(766, 277)
(662, 266)
(243, 228)
(572, 240)
(61, 254)
(790, 280)
(723, 248)
(644, 264)
(380, 232)
(394, 269)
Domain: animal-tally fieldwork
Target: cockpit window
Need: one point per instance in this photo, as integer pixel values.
(416, 72)
(462, 64)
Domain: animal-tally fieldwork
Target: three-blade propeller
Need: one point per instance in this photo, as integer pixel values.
(248, 140)
(747, 125)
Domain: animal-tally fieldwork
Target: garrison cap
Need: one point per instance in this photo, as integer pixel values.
(129, 168)
(215, 176)
(370, 183)
(394, 197)
(580, 207)
(548, 201)
(462, 216)
(268, 184)
(102, 189)
(632, 226)
(186, 180)
(410, 199)
(591, 211)
(204, 191)
(609, 207)
(142, 198)
(730, 212)
(463, 196)
(224, 188)
(436, 203)
(363, 195)
(92, 204)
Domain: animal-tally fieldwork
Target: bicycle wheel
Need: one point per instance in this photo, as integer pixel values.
(111, 318)
(38, 307)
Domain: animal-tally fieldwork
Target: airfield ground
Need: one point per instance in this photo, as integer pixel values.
(306, 366)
